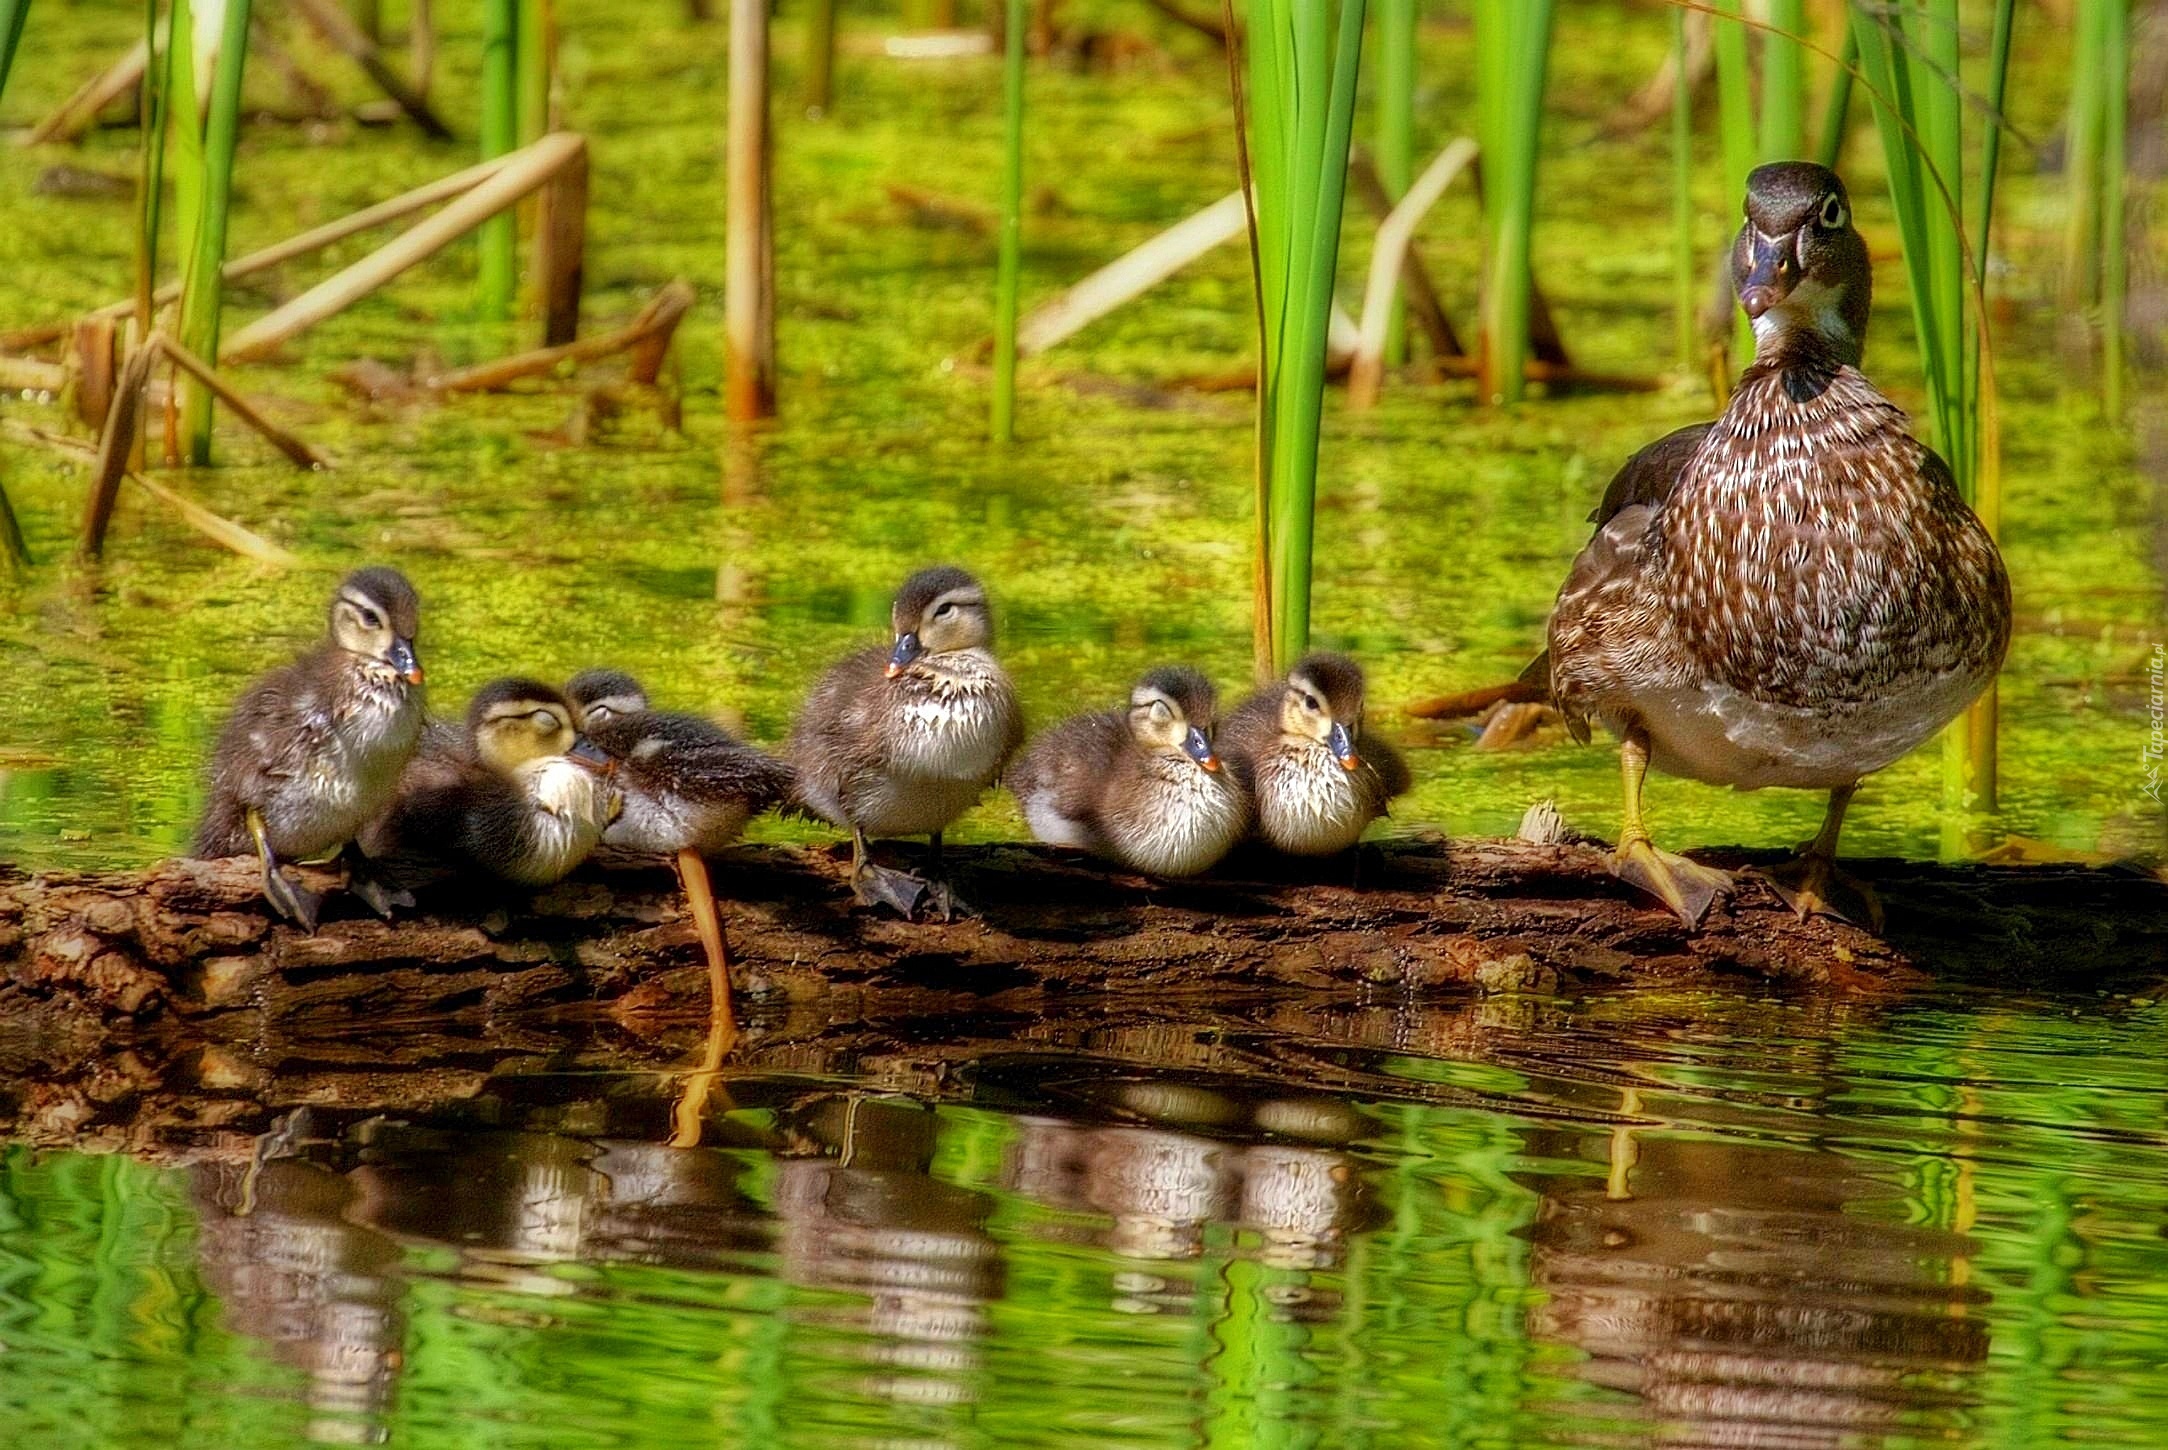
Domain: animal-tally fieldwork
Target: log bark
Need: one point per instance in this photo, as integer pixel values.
(191, 941)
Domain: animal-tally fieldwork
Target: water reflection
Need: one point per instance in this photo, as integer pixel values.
(1589, 1225)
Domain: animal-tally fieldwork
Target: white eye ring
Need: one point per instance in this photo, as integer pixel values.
(1832, 211)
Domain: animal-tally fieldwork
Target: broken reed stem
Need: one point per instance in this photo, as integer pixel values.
(123, 416)
(182, 358)
(820, 57)
(655, 325)
(749, 242)
(72, 117)
(1366, 373)
(329, 21)
(509, 181)
(1418, 294)
(1008, 279)
(216, 527)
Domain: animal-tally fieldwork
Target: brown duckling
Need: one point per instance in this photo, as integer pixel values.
(689, 788)
(520, 794)
(314, 750)
(1141, 787)
(1294, 746)
(903, 740)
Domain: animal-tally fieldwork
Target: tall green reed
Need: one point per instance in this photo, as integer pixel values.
(1396, 30)
(1513, 43)
(1008, 282)
(151, 163)
(498, 238)
(1909, 58)
(1302, 112)
(1682, 189)
(2094, 260)
(12, 15)
(204, 257)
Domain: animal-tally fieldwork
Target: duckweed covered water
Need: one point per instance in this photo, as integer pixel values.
(1631, 1220)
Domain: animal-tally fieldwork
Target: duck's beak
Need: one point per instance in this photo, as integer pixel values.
(1200, 749)
(1342, 746)
(1772, 276)
(402, 659)
(591, 755)
(907, 649)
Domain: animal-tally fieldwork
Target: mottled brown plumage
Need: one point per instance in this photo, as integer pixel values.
(1298, 747)
(689, 785)
(517, 793)
(1140, 786)
(901, 741)
(1800, 597)
(313, 750)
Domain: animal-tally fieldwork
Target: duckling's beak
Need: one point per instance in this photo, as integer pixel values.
(591, 755)
(907, 649)
(1200, 749)
(1342, 746)
(401, 658)
(1773, 275)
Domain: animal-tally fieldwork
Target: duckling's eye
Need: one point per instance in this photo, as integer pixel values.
(545, 719)
(944, 611)
(1309, 702)
(1832, 216)
(370, 620)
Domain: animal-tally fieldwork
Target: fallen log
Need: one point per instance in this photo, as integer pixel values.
(191, 941)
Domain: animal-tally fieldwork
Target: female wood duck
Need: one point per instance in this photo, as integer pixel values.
(1794, 595)
(1294, 747)
(897, 741)
(520, 793)
(1140, 787)
(313, 750)
(689, 788)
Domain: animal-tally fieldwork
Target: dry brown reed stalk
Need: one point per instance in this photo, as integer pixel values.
(514, 178)
(79, 112)
(1420, 293)
(647, 336)
(749, 238)
(340, 32)
(1366, 372)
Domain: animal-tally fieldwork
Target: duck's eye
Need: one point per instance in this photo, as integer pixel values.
(545, 719)
(1832, 216)
(370, 619)
(944, 611)
(1309, 702)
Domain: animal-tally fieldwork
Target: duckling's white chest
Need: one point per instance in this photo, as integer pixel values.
(1185, 821)
(354, 775)
(1307, 804)
(572, 806)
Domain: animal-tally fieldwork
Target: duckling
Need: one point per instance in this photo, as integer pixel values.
(314, 750)
(1795, 595)
(689, 788)
(1293, 745)
(520, 794)
(898, 741)
(1142, 788)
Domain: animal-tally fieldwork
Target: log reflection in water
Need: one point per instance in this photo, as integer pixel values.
(1744, 1295)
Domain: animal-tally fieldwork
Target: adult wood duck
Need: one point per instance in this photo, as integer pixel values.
(689, 787)
(1298, 747)
(903, 740)
(313, 750)
(1793, 595)
(1142, 786)
(519, 793)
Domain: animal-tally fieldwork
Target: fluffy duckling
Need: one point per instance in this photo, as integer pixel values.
(314, 750)
(689, 788)
(1293, 746)
(1140, 787)
(521, 794)
(898, 741)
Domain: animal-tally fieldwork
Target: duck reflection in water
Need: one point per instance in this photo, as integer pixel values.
(866, 1216)
(1744, 1295)
(320, 1292)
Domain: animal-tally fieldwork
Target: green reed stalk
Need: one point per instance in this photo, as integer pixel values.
(12, 15)
(534, 42)
(1839, 106)
(1737, 137)
(1513, 42)
(1396, 134)
(2114, 254)
(1302, 105)
(1682, 189)
(1009, 280)
(1909, 57)
(151, 163)
(497, 271)
(2081, 155)
(202, 286)
(820, 57)
(1784, 82)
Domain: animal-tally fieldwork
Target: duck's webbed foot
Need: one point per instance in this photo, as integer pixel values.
(1687, 887)
(1815, 884)
(899, 891)
(375, 892)
(288, 898)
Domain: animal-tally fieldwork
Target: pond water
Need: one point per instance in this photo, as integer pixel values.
(1701, 1220)
(1653, 1219)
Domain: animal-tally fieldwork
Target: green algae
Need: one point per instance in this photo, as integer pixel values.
(1116, 533)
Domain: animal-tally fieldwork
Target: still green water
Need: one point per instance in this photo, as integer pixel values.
(1630, 1220)
(1650, 1220)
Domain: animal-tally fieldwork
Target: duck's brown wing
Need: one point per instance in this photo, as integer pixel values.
(1386, 767)
(692, 757)
(836, 739)
(1246, 731)
(1645, 481)
(1067, 768)
(276, 726)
